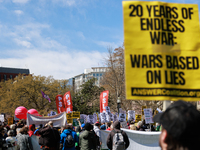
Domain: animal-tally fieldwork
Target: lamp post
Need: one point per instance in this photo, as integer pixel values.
(118, 104)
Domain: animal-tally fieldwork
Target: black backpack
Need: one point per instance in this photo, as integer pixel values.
(69, 141)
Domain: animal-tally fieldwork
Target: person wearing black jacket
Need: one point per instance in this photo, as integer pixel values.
(50, 137)
(116, 128)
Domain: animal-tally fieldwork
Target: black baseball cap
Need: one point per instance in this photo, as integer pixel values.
(182, 121)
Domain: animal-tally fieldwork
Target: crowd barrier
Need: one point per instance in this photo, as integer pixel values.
(139, 140)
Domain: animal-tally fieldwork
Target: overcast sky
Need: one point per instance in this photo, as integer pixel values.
(60, 37)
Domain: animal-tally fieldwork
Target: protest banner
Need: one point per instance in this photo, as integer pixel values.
(166, 67)
(90, 119)
(10, 120)
(115, 118)
(76, 123)
(148, 115)
(131, 115)
(84, 117)
(76, 114)
(69, 117)
(122, 117)
(95, 117)
(103, 100)
(103, 117)
(59, 103)
(67, 99)
(138, 117)
(58, 120)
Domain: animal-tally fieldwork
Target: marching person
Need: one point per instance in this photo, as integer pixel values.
(87, 139)
(122, 137)
(49, 139)
(68, 138)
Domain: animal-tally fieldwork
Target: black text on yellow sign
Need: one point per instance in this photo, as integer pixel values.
(161, 50)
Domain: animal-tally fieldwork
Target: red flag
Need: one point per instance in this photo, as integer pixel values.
(68, 102)
(59, 103)
(103, 100)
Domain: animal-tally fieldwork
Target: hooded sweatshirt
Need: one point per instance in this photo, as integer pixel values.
(87, 140)
(116, 128)
(64, 135)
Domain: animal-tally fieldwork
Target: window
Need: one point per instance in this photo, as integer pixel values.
(11, 76)
(100, 74)
(94, 74)
(5, 77)
(97, 74)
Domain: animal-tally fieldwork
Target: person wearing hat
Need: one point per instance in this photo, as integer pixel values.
(87, 140)
(116, 129)
(180, 127)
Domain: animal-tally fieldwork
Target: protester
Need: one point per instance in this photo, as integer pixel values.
(97, 131)
(132, 127)
(180, 127)
(11, 141)
(108, 125)
(23, 139)
(140, 126)
(50, 137)
(77, 130)
(103, 126)
(36, 131)
(112, 134)
(87, 140)
(68, 138)
(13, 127)
(31, 130)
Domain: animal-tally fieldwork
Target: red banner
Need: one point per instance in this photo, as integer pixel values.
(59, 103)
(103, 100)
(68, 102)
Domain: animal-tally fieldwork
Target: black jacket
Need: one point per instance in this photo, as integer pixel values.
(49, 137)
(116, 127)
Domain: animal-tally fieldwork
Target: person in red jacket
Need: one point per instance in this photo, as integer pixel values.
(31, 130)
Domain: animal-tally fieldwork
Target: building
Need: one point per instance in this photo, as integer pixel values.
(94, 72)
(11, 73)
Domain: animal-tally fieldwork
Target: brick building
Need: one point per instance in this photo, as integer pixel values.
(11, 73)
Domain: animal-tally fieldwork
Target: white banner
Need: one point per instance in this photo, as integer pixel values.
(138, 140)
(58, 120)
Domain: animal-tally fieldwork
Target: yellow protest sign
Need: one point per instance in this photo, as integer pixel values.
(76, 114)
(138, 118)
(10, 120)
(143, 107)
(162, 52)
(69, 115)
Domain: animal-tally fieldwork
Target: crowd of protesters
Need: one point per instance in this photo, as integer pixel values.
(85, 136)
(88, 137)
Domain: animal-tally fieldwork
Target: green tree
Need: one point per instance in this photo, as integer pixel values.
(26, 91)
(87, 100)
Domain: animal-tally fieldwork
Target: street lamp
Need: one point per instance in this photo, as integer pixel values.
(118, 104)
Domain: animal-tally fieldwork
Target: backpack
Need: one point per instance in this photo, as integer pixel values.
(69, 141)
(97, 138)
(118, 141)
